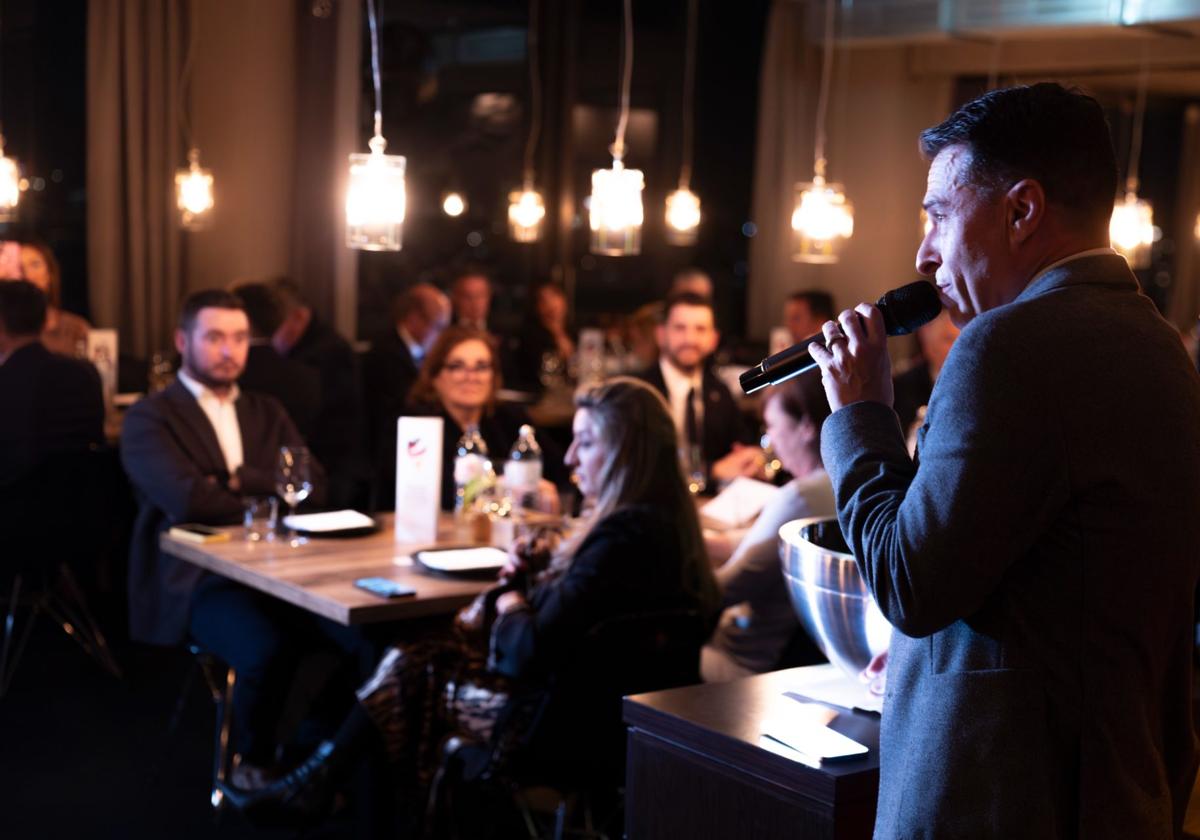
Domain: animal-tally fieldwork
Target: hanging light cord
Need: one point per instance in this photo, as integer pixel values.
(1139, 116)
(185, 80)
(618, 146)
(371, 22)
(689, 85)
(823, 98)
(535, 92)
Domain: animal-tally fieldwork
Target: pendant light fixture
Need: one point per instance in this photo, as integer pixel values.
(822, 217)
(526, 209)
(10, 185)
(453, 204)
(10, 180)
(683, 205)
(615, 213)
(376, 197)
(1131, 228)
(194, 196)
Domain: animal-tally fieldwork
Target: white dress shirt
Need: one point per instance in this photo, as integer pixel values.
(415, 348)
(222, 414)
(678, 385)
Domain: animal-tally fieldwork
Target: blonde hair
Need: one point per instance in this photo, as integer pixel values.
(634, 425)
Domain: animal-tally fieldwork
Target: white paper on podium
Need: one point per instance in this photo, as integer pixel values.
(418, 478)
(738, 504)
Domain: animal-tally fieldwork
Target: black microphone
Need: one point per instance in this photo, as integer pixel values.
(903, 310)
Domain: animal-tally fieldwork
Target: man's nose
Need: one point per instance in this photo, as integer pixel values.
(927, 258)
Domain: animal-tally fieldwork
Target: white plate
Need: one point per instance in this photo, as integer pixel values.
(462, 560)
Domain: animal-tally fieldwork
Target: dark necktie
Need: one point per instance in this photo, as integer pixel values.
(689, 419)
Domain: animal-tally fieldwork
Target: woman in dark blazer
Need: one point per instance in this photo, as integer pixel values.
(640, 550)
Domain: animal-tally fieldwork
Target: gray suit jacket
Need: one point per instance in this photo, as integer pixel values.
(174, 462)
(1039, 566)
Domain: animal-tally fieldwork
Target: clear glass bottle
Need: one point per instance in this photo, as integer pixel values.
(523, 470)
(472, 469)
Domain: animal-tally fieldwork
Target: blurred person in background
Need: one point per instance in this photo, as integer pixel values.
(804, 312)
(705, 413)
(296, 385)
(48, 404)
(471, 296)
(545, 347)
(758, 623)
(65, 332)
(390, 368)
(913, 386)
(338, 435)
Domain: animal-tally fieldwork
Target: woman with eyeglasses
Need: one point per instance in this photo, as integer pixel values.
(458, 382)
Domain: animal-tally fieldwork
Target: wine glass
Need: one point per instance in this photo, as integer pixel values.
(293, 482)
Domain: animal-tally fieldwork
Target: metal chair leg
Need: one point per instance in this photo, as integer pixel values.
(80, 624)
(222, 697)
(9, 623)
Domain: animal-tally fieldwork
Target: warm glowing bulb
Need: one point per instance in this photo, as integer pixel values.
(375, 200)
(194, 193)
(1197, 230)
(615, 214)
(822, 221)
(683, 217)
(1131, 230)
(525, 214)
(454, 204)
(10, 189)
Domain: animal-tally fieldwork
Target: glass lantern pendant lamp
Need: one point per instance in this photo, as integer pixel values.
(194, 193)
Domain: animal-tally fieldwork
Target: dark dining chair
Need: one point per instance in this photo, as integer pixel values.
(524, 759)
(51, 522)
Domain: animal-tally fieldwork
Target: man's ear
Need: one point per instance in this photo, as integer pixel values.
(660, 335)
(1025, 209)
(180, 341)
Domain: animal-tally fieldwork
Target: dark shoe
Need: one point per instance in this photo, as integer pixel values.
(302, 797)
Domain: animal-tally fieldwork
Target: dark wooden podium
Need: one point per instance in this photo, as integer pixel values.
(696, 768)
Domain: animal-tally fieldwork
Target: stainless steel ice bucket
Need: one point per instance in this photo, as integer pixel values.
(829, 595)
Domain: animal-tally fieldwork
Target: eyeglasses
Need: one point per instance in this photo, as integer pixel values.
(463, 369)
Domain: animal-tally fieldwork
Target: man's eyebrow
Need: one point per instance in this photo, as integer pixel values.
(932, 203)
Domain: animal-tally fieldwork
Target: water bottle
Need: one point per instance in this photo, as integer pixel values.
(523, 471)
(471, 468)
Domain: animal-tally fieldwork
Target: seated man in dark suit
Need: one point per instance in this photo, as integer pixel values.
(391, 366)
(194, 452)
(338, 437)
(296, 385)
(704, 411)
(49, 404)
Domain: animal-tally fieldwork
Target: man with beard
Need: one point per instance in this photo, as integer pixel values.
(194, 452)
(706, 417)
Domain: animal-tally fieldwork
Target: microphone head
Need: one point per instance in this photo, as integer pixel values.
(909, 307)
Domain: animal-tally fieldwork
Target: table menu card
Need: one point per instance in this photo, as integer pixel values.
(418, 478)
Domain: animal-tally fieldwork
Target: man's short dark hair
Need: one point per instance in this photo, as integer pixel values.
(1057, 136)
(820, 304)
(263, 308)
(22, 308)
(471, 270)
(206, 299)
(687, 299)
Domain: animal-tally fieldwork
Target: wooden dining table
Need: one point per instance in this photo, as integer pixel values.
(319, 575)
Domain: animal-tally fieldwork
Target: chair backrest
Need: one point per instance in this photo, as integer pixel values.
(54, 512)
(644, 651)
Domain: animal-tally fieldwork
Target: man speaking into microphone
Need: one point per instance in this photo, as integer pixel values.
(1039, 558)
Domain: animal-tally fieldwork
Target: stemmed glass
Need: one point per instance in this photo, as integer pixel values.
(293, 482)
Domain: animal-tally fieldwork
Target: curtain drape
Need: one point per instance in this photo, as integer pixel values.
(1185, 295)
(135, 249)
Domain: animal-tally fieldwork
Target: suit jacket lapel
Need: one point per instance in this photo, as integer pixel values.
(206, 450)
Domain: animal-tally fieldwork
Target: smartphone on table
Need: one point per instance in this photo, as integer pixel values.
(385, 587)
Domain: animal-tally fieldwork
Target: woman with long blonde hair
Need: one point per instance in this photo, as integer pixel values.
(640, 553)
